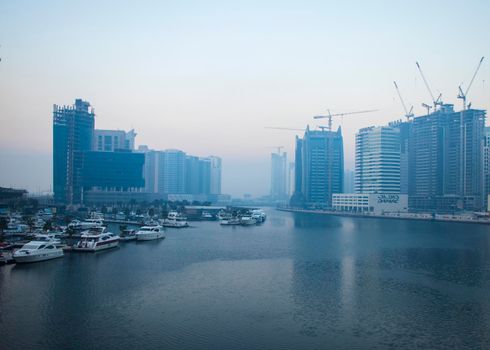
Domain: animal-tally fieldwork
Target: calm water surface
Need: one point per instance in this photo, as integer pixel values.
(299, 281)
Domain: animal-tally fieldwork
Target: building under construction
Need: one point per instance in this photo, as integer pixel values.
(73, 128)
(446, 160)
(319, 168)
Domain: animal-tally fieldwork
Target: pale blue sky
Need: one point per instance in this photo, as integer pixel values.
(207, 76)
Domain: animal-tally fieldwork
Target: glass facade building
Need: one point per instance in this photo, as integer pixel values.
(73, 128)
(319, 168)
(378, 160)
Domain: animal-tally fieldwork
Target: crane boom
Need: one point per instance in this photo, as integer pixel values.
(463, 95)
(474, 75)
(408, 113)
(279, 128)
(427, 86)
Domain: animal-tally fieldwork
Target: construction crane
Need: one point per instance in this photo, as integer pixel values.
(462, 95)
(436, 102)
(425, 105)
(329, 116)
(279, 128)
(408, 113)
(278, 148)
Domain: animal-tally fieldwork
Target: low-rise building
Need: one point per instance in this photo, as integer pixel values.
(376, 203)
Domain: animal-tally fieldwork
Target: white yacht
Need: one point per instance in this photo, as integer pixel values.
(259, 215)
(85, 225)
(230, 221)
(247, 220)
(96, 239)
(48, 237)
(148, 233)
(176, 220)
(128, 235)
(37, 251)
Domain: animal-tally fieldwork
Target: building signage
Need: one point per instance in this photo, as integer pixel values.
(388, 198)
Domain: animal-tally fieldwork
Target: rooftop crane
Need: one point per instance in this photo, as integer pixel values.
(329, 116)
(408, 113)
(462, 95)
(278, 148)
(279, 128)
(437, 102)
(425, 105)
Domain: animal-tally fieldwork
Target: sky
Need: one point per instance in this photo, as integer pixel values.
(207, 77)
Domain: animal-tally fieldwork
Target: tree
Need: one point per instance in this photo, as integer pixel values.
(3, 225)
(151, 212)
(48, 226)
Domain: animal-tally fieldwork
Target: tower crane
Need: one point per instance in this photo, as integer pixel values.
(279, 128)
(278, 148)
(408, 113)
(436, 102)
(329, 116)
(462, 95)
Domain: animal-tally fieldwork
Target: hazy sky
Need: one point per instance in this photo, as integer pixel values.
(207, 76)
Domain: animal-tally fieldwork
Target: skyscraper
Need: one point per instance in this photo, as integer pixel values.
(112, 140)
(215, 181)
(378, 160)
(73, 128)
(446, 160)
(486, 166)
(278, 175)
(319, 167)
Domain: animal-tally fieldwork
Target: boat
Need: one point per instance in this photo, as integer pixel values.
(176, 220)
(85, 225)
(259, 215)
(96, 239)
(128, 235)
(206, 215)
(247, 220)
(48, 237)
(149, 233)
(230, 221)
(35, 251)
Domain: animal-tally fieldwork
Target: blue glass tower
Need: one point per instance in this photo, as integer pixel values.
(73, 128)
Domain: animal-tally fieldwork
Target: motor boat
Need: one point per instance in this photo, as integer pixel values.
(35, 251)
(85, 225)
(176, 220)
(206, 215)
(247, 220)
(48, 237)
(128, 235)
(96, 239)
(230, 221)
(149, 233)
(259, 215)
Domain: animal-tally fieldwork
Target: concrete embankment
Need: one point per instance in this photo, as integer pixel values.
(402, 216)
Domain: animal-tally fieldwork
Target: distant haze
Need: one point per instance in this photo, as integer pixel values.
(208, 76)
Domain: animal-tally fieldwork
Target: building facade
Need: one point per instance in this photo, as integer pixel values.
(112, 140)
(486, 167)
(278, 175)
(376, 203)
(319, 160)
(73, 128)
(446, 160)
(378, 160)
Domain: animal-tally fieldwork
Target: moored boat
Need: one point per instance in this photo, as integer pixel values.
(128, 235)
(96, 239)
(149, 233)
(35, 251)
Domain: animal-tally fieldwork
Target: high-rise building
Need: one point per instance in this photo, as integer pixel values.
(486, 167)
(278, 175)
(349, 181)
(378, 160)
(215, 181)
(319, 168)
(290, 177)
(446, 160)
(73, 128)
(112, 140)
(172, 166)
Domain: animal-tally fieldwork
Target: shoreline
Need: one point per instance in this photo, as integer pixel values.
(399, 216)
